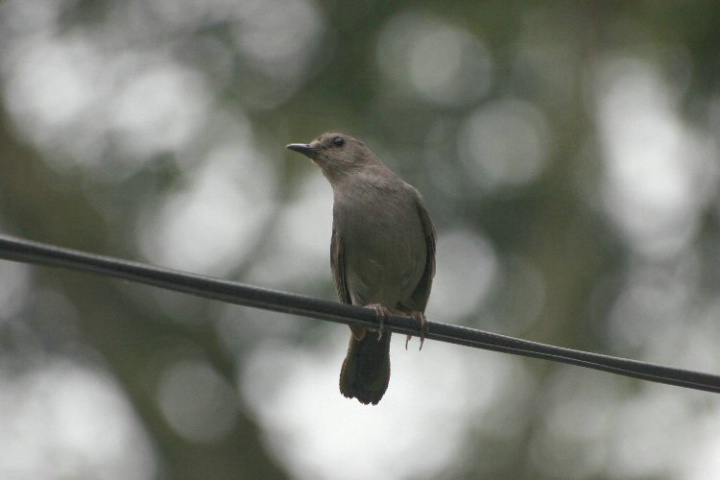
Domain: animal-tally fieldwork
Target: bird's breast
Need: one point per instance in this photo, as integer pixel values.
(384, 247)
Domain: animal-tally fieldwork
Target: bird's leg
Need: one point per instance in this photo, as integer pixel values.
(382, 314)
(424, 329)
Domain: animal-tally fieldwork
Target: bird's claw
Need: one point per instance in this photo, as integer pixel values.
(382, 314)
(424, 328)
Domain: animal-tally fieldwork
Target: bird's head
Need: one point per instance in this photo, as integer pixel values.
(337, 154)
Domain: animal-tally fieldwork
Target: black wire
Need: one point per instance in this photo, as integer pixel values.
(21, 250)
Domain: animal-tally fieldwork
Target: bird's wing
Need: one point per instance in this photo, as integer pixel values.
(420, 296)
(337, 263)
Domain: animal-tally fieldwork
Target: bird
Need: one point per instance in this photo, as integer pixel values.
(382, 253)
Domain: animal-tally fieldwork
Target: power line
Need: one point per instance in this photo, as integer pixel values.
(21, 250)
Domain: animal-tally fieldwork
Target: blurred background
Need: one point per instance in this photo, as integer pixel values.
(568, 153)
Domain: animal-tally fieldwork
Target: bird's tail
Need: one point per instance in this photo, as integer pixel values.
(366, 370)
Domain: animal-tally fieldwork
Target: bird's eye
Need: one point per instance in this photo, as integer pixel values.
(338, 141)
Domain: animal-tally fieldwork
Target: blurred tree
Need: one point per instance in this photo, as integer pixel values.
(568, 152)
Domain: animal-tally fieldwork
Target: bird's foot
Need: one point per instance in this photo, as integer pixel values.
(424, 329)
(382, 314)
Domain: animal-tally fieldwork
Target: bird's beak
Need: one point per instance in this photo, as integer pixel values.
(305, 148)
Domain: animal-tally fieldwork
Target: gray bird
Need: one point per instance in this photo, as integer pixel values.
(382, 252)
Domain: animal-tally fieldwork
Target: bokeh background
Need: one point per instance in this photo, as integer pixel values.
(568, 152)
